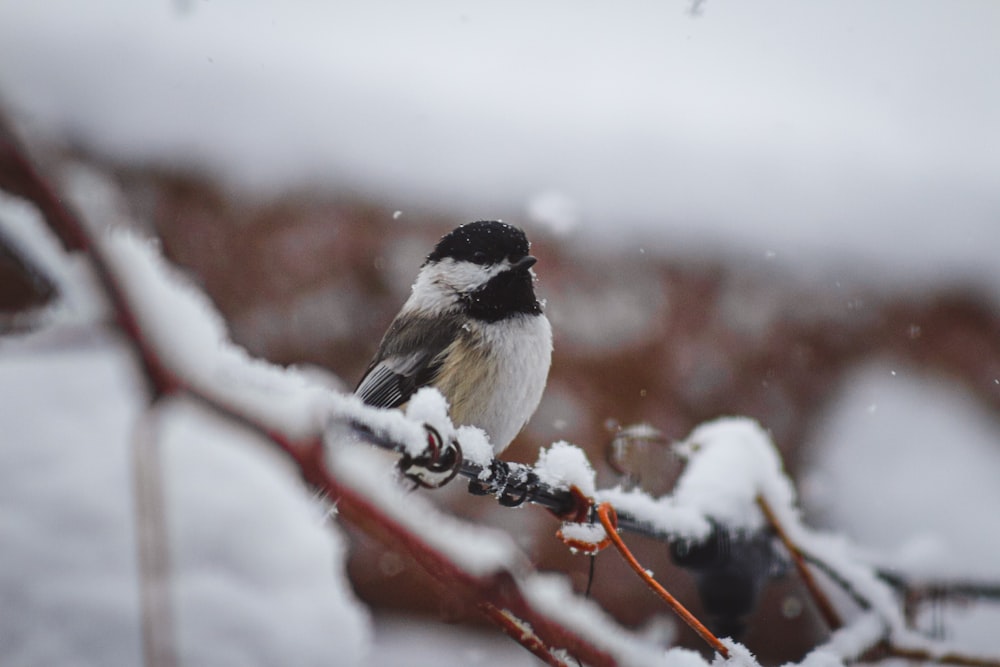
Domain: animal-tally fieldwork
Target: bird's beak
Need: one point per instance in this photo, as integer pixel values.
(524, 263)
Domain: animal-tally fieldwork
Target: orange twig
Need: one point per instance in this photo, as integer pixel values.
(609, 520)
(582, 505)
(823, 604)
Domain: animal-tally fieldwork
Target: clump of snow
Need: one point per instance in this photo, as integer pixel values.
(583, 533)
(730, 462)
(739, 656)
(476, 447)
(428, 405)
(564, 465)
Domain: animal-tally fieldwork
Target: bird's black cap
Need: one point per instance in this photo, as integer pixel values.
(482, 242)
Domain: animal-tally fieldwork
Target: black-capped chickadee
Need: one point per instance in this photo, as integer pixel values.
(473, 329)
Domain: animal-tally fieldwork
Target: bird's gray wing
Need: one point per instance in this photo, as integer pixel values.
(409, 358)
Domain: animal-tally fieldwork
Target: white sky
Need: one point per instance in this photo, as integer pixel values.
(807, 131)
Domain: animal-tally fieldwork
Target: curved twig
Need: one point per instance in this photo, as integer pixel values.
(606, 513)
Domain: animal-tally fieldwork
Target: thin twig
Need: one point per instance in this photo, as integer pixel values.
(606, 513)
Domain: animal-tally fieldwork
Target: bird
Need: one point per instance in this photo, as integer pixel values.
(473, 328)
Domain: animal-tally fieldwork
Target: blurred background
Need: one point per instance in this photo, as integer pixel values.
(786, 211)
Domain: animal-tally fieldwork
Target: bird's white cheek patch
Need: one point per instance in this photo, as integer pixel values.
(438, 285)
(465, 276)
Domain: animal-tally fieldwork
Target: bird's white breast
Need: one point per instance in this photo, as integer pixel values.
(502, 383)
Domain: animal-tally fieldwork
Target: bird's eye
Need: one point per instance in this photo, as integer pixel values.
(479, 257)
